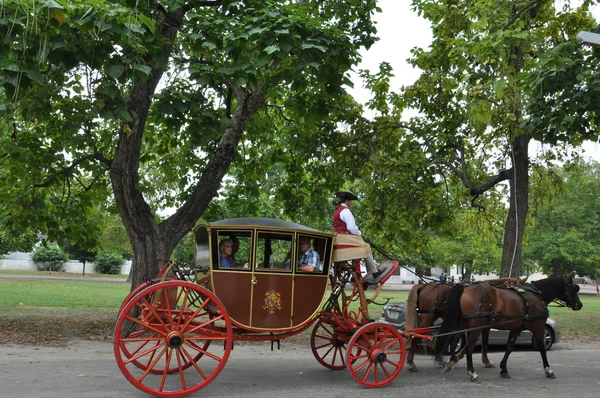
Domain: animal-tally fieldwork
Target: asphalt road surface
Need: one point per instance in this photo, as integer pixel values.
(88, 369)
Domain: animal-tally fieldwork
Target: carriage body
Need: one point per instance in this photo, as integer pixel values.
(174, 335)
(271, 294)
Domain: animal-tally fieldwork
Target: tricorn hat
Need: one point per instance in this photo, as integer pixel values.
(346, 196)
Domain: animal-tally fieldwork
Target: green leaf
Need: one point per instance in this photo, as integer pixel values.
(240, 81)
(209, 45)
(144, 69)
(148, 22)
(271, 49)
(115, 71)
(499, 87)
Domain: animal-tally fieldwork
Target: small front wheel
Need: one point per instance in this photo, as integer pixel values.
(376, 354)
(328, 345)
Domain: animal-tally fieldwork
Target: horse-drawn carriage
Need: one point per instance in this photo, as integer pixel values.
(174, 334)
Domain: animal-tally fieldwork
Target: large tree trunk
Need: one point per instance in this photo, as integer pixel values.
(519, 207)
(153, 243)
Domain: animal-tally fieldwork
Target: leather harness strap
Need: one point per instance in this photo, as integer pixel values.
(435, 309)
(521, 290)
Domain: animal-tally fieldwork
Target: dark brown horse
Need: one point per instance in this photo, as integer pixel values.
(511, 308)
(426, 303)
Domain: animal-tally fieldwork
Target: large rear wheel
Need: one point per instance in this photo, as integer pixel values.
(167, 351)
(376, 354)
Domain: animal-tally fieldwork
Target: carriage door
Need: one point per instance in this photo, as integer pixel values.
(272, 281)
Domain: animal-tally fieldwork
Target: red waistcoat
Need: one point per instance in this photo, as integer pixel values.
(339, 226)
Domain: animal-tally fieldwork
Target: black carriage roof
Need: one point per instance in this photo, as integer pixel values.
(261, 222)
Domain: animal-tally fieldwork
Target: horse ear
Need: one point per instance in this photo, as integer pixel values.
(572, 275)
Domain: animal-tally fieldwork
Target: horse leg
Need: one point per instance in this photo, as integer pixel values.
(510, 344)
(539, 342)
(447, 366)
(412, 346)
(473, 337)
(485, 334)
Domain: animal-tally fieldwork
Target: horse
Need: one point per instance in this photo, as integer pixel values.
(512, 308)
(426, 303)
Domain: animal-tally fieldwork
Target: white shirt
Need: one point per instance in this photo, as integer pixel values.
(347, 217)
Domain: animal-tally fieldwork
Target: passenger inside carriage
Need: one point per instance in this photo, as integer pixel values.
(308, 259)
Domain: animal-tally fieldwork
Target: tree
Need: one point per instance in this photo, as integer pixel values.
(81, 253)
(473, 95)
(49, 258)
(474, 246)
(565, 236)
(157, 97)
(108, 263)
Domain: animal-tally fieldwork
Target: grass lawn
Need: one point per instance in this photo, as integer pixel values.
(52, 311)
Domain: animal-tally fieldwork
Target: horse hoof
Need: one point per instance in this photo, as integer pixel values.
(505, 375)
(490, 365)
(413, 369)
(550, 375)
(446, 368)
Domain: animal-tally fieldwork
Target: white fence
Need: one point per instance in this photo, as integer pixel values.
(22, 262)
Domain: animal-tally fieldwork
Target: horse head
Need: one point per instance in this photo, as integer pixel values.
(571, 298)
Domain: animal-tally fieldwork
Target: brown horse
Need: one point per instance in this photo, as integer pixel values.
(511, 308)
(426, 303)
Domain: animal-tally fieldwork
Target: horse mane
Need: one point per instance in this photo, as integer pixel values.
(412, 318)
(549, 287)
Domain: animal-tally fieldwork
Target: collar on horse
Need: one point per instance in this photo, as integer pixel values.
(438, 300)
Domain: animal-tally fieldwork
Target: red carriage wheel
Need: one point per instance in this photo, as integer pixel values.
(376, 354)
(166, 353)
(132, 329)
(328, 345)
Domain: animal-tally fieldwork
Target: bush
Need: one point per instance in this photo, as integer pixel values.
(49, 258)
(108, 263)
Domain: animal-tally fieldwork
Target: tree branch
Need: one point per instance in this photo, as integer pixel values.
(67, 171)
(528, 6)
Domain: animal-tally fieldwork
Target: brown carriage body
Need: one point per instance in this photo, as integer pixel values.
(264, 297)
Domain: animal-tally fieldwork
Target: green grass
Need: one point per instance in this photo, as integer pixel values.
(29, 293)
(578, 323)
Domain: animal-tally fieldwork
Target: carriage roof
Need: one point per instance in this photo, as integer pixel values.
(258, 222)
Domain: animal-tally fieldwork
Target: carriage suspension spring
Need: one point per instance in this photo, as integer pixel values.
(335, 293)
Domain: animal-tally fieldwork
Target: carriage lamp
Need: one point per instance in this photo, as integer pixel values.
(589, 38)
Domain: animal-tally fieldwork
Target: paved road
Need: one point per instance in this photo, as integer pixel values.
(88, 369)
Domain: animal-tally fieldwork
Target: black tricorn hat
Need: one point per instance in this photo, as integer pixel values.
(346, 196)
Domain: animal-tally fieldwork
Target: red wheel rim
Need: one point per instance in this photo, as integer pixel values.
(328, 346)
(135, 330)
(376, 354)
(168, 355)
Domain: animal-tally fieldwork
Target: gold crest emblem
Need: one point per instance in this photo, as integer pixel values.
(272, 301)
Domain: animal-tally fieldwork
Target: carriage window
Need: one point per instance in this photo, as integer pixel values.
(273, 251)
(310, 254)
(233, 249)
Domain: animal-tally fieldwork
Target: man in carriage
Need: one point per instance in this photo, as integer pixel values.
(349, 243)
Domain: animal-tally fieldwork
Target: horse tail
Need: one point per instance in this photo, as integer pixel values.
(451, 318)
(412, 318)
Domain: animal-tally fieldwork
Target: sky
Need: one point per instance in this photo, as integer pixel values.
(400, 30)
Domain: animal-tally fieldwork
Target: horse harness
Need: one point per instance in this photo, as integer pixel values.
(439, 299)
(522, 290)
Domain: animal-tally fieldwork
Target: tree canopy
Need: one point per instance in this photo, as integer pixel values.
(565, 235)
(474, 94)
(151, 102)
